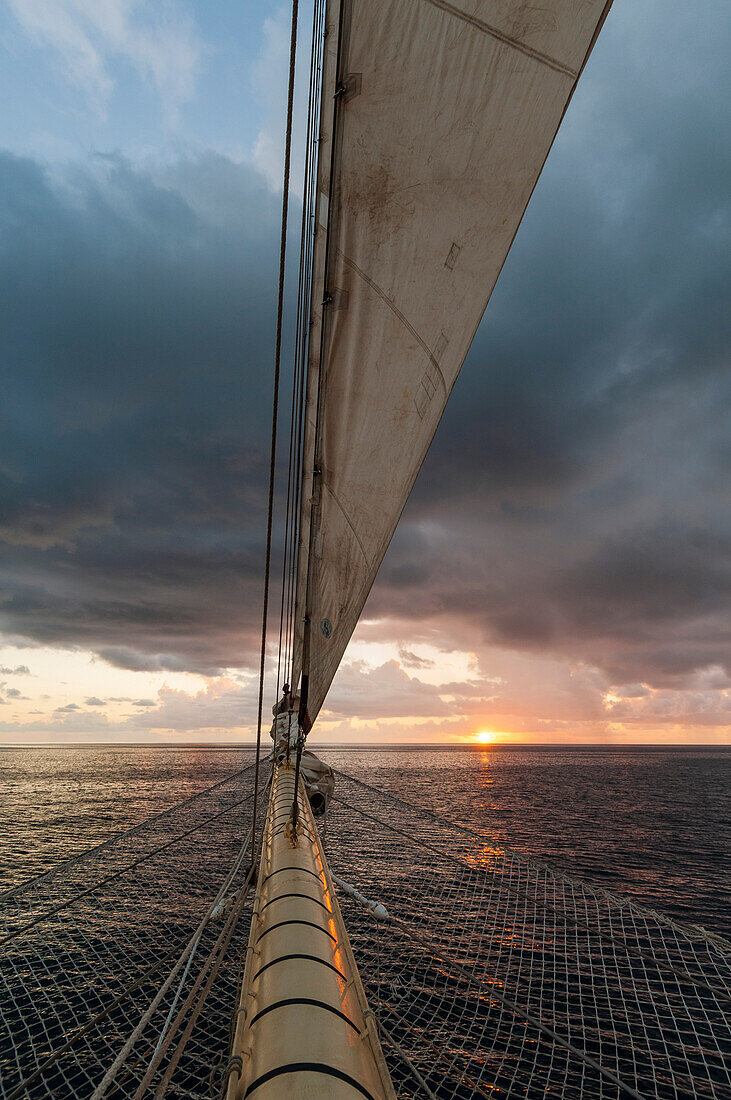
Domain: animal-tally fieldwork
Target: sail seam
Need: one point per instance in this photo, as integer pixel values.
(506, 39)
(404, 321)
(349, 523)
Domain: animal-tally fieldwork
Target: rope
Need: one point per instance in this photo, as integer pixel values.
(285, 654)
(222, 947)
(685, 975)
(183, 978)
(121, 1058)
(304, 305)
(188, 951)
(275, 407)
(117, 874)
(54, 1057)
(690, 931)
(516, 1008)
(405, 1058)
(169, 1031)
(118, 837)
(424, 1041)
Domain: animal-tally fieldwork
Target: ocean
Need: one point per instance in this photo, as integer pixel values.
(651, 824)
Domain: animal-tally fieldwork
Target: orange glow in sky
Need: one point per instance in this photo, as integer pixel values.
(484, 737)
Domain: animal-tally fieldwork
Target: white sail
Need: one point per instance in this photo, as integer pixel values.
(436, 122)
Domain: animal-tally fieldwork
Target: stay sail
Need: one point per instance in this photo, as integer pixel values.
(436, 120)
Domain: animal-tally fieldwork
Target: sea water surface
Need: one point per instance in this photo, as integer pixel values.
(652, 824)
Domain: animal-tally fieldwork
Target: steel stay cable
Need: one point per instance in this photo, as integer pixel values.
(314, 105)
(476, 1088)
(286, 629)
(225, 934)
(405, 1057)
(152, 1007)
(492, 993)
(224, 942)
(303, 351)
(110, 878)
(87, 1027)
(275, 406)
(566, 918)
(303, 327)
(190, 947)
(289, 531)
(231, 876)
(118, 837)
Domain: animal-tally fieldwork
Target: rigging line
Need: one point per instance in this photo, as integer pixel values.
(149, 1012)
(493, 993)
(690, 931)
(316, 502)
(224, 943)
(110, 878)
(303, 319)
(55, 1055)
(170, 1030)
(285, 556)
(405, 1058)
(304, 304)
(566, 919)
(423, 1040)
(88, 852)
(289, 534)
(275, 406)
(184, 975)
(51, 1060)
(289, 522)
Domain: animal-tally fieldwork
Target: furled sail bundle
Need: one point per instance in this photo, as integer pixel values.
(435, 124)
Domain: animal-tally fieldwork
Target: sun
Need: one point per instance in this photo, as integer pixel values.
(484, 737)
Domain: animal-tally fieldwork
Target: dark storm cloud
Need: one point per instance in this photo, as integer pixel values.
(581, 471)
(136, 334)
(575, 501)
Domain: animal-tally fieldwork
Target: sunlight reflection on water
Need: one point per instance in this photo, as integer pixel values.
(653, 825)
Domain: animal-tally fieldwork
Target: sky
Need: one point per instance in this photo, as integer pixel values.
(562, 571)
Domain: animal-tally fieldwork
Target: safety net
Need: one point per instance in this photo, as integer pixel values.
(496, 976)
(118, 968)
(492, 976)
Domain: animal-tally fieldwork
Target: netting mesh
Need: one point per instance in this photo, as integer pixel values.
(501, 977)
(86, 950)
(119, 971)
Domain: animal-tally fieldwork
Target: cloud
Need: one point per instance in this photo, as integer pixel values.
(92, 701)
(387, 691)
(575, 500)
(159, 40)
(221, 706)
(269, 77)
(137, 327)
(412, 660)
(571, 524)
(269, 88)
(18, 670)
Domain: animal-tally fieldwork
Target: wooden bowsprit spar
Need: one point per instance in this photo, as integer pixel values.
(428, 126)
(303, 1027)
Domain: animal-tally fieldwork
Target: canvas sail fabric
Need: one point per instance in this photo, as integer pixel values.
(442, 118)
